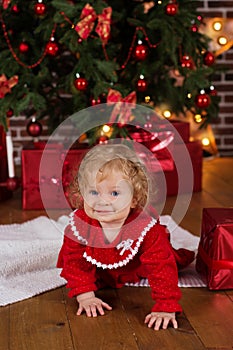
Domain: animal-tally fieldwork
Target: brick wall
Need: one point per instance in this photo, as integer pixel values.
(223, 129)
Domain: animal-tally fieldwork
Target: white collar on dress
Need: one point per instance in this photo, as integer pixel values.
(123, 245)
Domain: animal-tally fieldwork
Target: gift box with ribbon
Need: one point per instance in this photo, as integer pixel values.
(158, 149)
(43, 184)
(180, 129)
(215, 252)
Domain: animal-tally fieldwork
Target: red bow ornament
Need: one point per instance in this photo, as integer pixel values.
(5, 4)
(7, 84)
(88, 17)
(123, 106)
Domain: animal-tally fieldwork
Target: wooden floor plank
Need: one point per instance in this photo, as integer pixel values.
(40, 323)
(111, 331)
(137, 304)
(4, 328)
(220, 167)
(211, 315)
(219, 189)
(229, 293)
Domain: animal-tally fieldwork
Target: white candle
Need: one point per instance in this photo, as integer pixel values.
(10, 159)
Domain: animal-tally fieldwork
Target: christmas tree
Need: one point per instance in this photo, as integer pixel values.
(58, 57)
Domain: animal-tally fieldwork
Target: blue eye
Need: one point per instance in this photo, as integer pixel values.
(115, 193)
(94, 193)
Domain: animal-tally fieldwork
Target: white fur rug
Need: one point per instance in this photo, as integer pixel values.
(29, 251)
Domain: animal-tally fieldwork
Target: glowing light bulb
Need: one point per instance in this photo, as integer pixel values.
(217, 26)
(222, 40)
(167, 114)
(106, 128)
(198, 118)
(147, 99)
(205, 141)
(189, 95)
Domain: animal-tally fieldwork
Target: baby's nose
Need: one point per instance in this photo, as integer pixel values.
(103, 199)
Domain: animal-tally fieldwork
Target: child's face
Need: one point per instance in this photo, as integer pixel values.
(109, 200)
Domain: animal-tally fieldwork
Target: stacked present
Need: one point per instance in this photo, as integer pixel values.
(184, 174)
(215, 252)
(178, 180)
(165, 158)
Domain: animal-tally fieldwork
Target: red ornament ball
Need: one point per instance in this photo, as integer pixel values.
(209, 58)
(94, 101)
(171, 9)
(12, 183)
(40, 9)
(142, 85)
(141, 52)
(81, 84)
(15, 9)
(10, 113)
(213, 91)
(52, 48)
(202, 101)
(34, 128)
(194, 28)
(187, 62)
(23, 47)
(102, 139)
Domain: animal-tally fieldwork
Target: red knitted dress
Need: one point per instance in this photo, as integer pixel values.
(141, 250)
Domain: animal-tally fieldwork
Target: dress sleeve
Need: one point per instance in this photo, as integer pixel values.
(160, 264)
(79, 274)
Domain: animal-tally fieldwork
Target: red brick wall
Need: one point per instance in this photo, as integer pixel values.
(223, 129)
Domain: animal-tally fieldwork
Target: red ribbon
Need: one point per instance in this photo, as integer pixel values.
(123, 106)
(7, 84)
(88, 17)
(214, 264)
(5, 4)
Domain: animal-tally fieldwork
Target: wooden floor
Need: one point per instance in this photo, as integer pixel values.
(48, 321)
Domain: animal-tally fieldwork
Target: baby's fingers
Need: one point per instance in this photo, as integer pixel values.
(150, 319)
(160, 320)
(106, 306)
(174, 322)
(101, 306)
(79, 311)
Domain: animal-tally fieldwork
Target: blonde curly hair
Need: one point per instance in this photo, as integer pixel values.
(104, 159)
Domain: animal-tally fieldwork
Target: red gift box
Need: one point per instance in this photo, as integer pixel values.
(215, 252)
(160, 146)
(179, 181)
(181, 129)
(43, 184)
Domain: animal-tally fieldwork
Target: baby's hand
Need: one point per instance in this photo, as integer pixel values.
(161, 319)
(91, 304)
